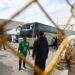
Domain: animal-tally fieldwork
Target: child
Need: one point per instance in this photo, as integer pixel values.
(23, 49)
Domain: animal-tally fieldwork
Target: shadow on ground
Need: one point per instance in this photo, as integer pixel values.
(29, 71)
(2, 56)
(5, 70)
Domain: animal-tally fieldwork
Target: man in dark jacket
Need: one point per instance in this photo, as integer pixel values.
(40, 51)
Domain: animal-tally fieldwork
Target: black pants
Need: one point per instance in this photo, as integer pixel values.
(20, 62)
(40, 62)
(4, 46)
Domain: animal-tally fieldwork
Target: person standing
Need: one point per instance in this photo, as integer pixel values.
(67, 58)
(2, 44)
(40, 51)
(23, 49)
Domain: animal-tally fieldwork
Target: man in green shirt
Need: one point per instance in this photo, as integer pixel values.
(23, 49)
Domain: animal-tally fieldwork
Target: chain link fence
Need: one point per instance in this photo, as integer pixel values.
(51, 66)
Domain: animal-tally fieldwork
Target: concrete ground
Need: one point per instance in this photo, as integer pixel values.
(9, 63)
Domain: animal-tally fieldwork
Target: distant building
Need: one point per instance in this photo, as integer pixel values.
(12, 24)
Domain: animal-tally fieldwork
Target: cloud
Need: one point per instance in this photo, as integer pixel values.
(55, 8)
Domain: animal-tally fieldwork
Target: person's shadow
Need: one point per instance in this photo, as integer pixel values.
(2, 56)
(5, 70)
(29, 71)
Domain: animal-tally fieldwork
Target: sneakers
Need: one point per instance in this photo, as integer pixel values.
(19, 69)
(25, 67)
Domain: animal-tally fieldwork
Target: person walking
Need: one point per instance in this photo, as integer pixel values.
(40, 51)
(23, 49)
(55, 43)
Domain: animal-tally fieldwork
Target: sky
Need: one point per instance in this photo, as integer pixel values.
(58, 10)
